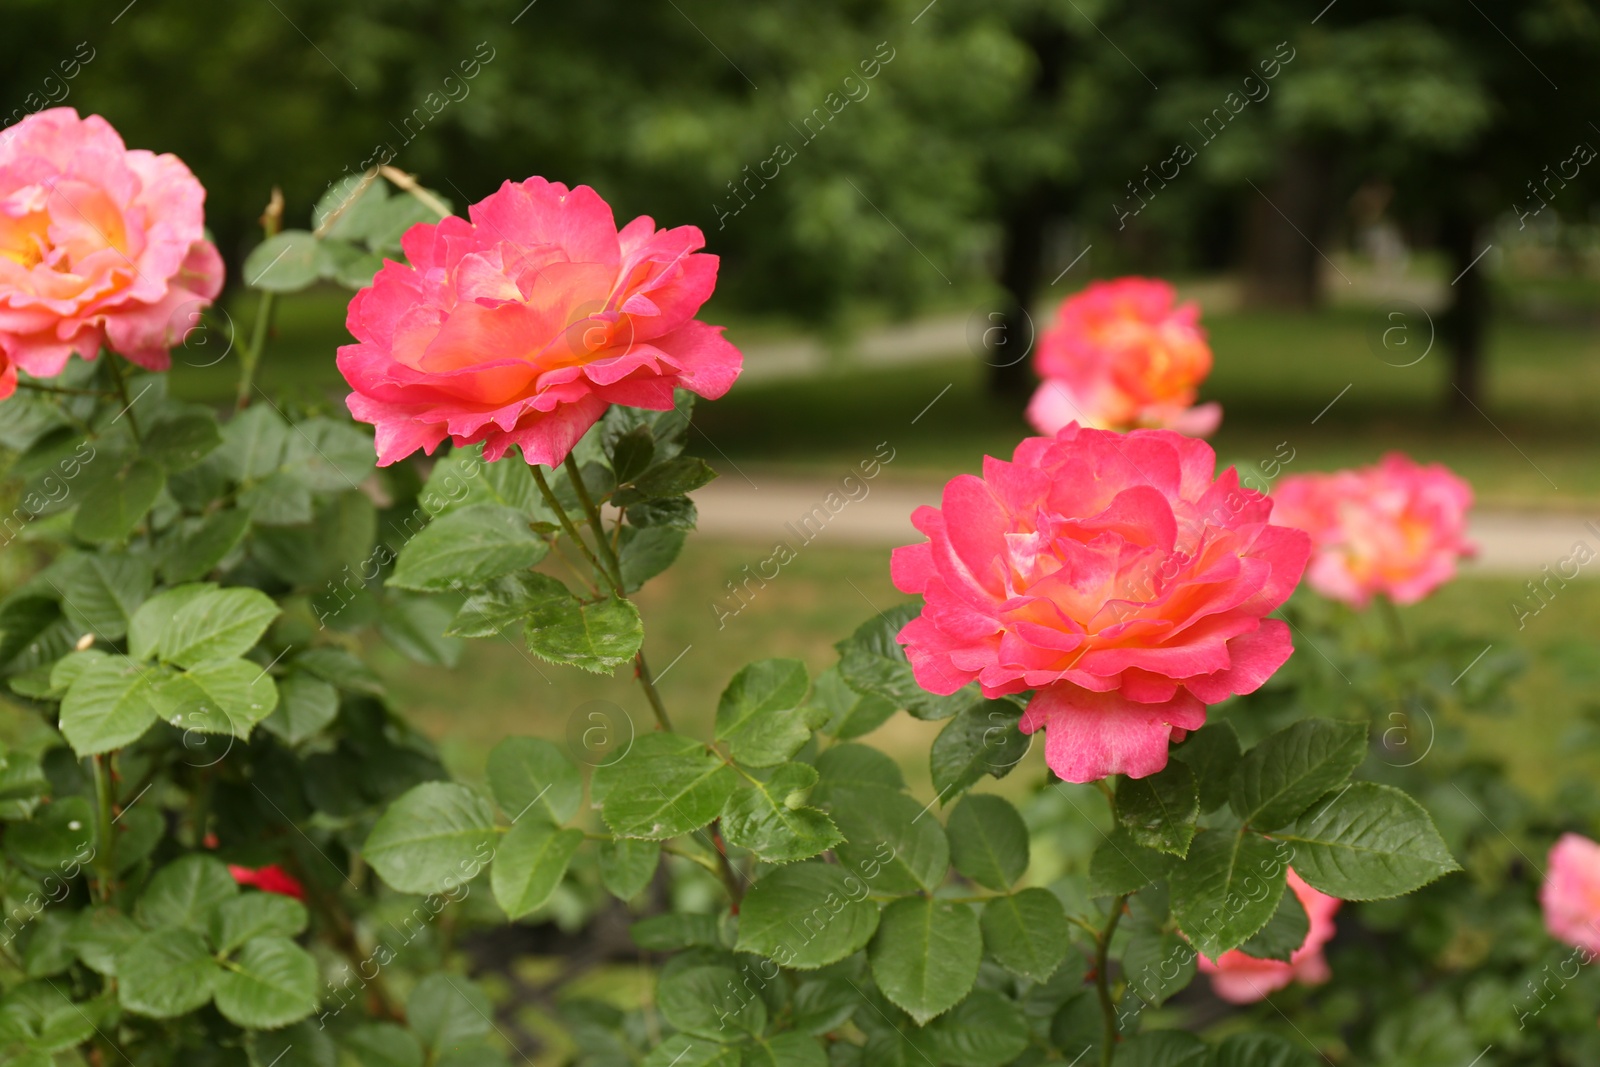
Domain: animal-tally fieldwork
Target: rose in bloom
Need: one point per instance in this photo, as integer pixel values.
(1244, 979)
(1396, 528)
(99, 246)
(269, 879)
(1124, 354)
(1571, 892)
(522, 325)
(1115, 576)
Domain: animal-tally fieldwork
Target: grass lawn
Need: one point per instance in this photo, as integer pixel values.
(826, 592)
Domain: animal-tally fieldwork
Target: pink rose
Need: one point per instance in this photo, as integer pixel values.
(523, 325)
(1112, 574)
(1571, 892)
(1244, 979)
(99, 246)
(1122, 355)
(1396, 528)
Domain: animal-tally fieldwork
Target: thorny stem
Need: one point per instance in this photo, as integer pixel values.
(1102, 983)
(103, 844)
(730, 878)
(251, 355)
(1391, 620)
(122, 391)
(567, 526)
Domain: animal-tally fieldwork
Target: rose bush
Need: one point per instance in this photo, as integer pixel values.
(192, 651)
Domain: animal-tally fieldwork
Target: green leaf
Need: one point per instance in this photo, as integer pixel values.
(1160, 811)
(112, 506)
(628, 865)
(179, 441)
(354, 203)
(59, 835)
(529, 865)
(350, 265)
(784, 1050)
(596, 637)
(711, 1002)
(279, 499)
(678, 512)
(414, 625)
(983, 739)
(108, 706)
(675, 477)
(1158, 961)
(155, 615)
(255, 914)
(681, 1050)
(300, 1045)
(1261, 1050)
(1027, 933)
(925, 955)
(252, 443)
(528, 771)
(185, 893)
(824, 1004)
(985, 1030)
(665, 786)
(849, 713)
(807, 915)
(195, 548)
(872, 661)
(328, 456)
(1227, 888)
(1284, 933)
(1280, 777)
(1121, 865)
(222, 697)
(339, 668)
(1367, 842)
(769, 818)
(461, 478)
(846, 765)
(647, 552)
(676, 931)
(891, 841)
(284, 263)
(437, 836)
(397, 215)
(383, 1045)
(99, 935)
(45, 1019)
(504, 601)
(166, 973)
(446, 1011)
(760, 713)
(466, 548)
(271, 983)
(1163, 1048)
(305, 706)
(218, 624)
(102, 591)
(988, 841)
(631, 453)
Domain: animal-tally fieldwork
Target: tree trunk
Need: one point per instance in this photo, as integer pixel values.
(1010, 342)
(1464, 325)
(1284, 228)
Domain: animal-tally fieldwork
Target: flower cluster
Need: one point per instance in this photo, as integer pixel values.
(1120, 355)
(99, 246)
(1397, 528)
(1114, 575)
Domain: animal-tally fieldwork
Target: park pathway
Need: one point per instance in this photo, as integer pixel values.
(765, 509)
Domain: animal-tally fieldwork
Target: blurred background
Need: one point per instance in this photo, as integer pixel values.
(1387, 212)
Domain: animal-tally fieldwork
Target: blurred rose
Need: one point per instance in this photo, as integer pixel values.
(99, 245)
(1571, 892)
(269, 879)
(523, 325)
(1396, 528)
(1112, 574)
(1121, 355)
(1244, 979)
